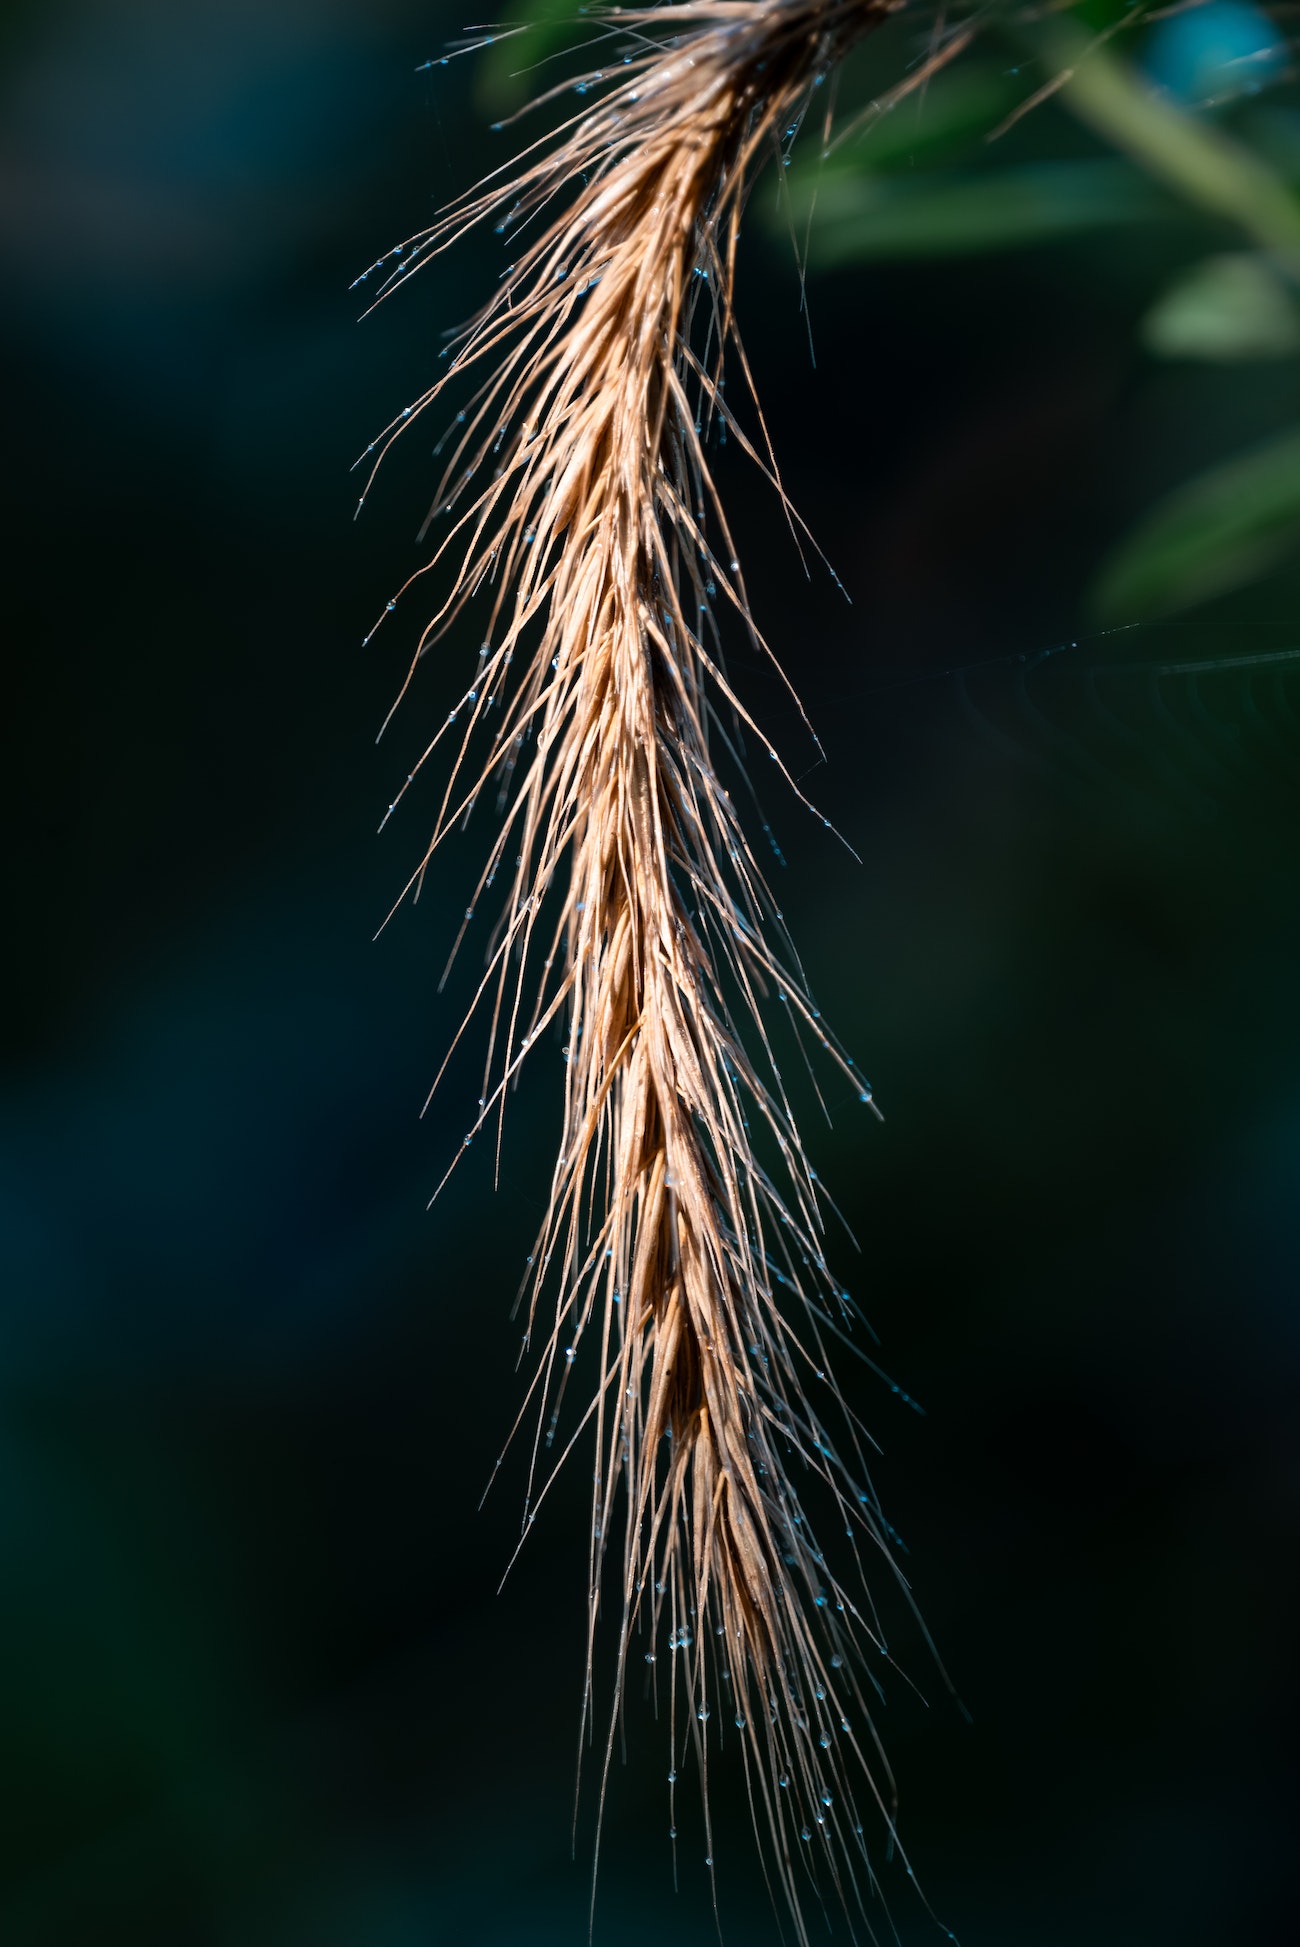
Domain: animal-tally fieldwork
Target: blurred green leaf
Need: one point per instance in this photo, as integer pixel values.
(1224, 308)
(956, 108)
(861, 216)
(1215, 533)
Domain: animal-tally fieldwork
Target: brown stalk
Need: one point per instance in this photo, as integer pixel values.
(578, 493)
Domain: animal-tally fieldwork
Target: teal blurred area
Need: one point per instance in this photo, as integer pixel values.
(259, 1687)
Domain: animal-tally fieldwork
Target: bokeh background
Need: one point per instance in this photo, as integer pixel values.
(257, 1686)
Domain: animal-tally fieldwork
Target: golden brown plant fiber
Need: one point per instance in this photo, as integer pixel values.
(682, 1262)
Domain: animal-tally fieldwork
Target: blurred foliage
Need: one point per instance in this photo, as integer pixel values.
(1100, 120)
(1221, 529)
(861, 216)
(1229, 307)
(513, 69)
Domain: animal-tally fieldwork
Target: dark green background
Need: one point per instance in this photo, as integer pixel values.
(256, 1683)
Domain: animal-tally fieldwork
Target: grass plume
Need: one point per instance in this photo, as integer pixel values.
(577, 500)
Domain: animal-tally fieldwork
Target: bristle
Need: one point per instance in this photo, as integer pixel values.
(578, 492)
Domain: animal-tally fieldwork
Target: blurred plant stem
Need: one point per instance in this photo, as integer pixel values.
(1198, 161)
